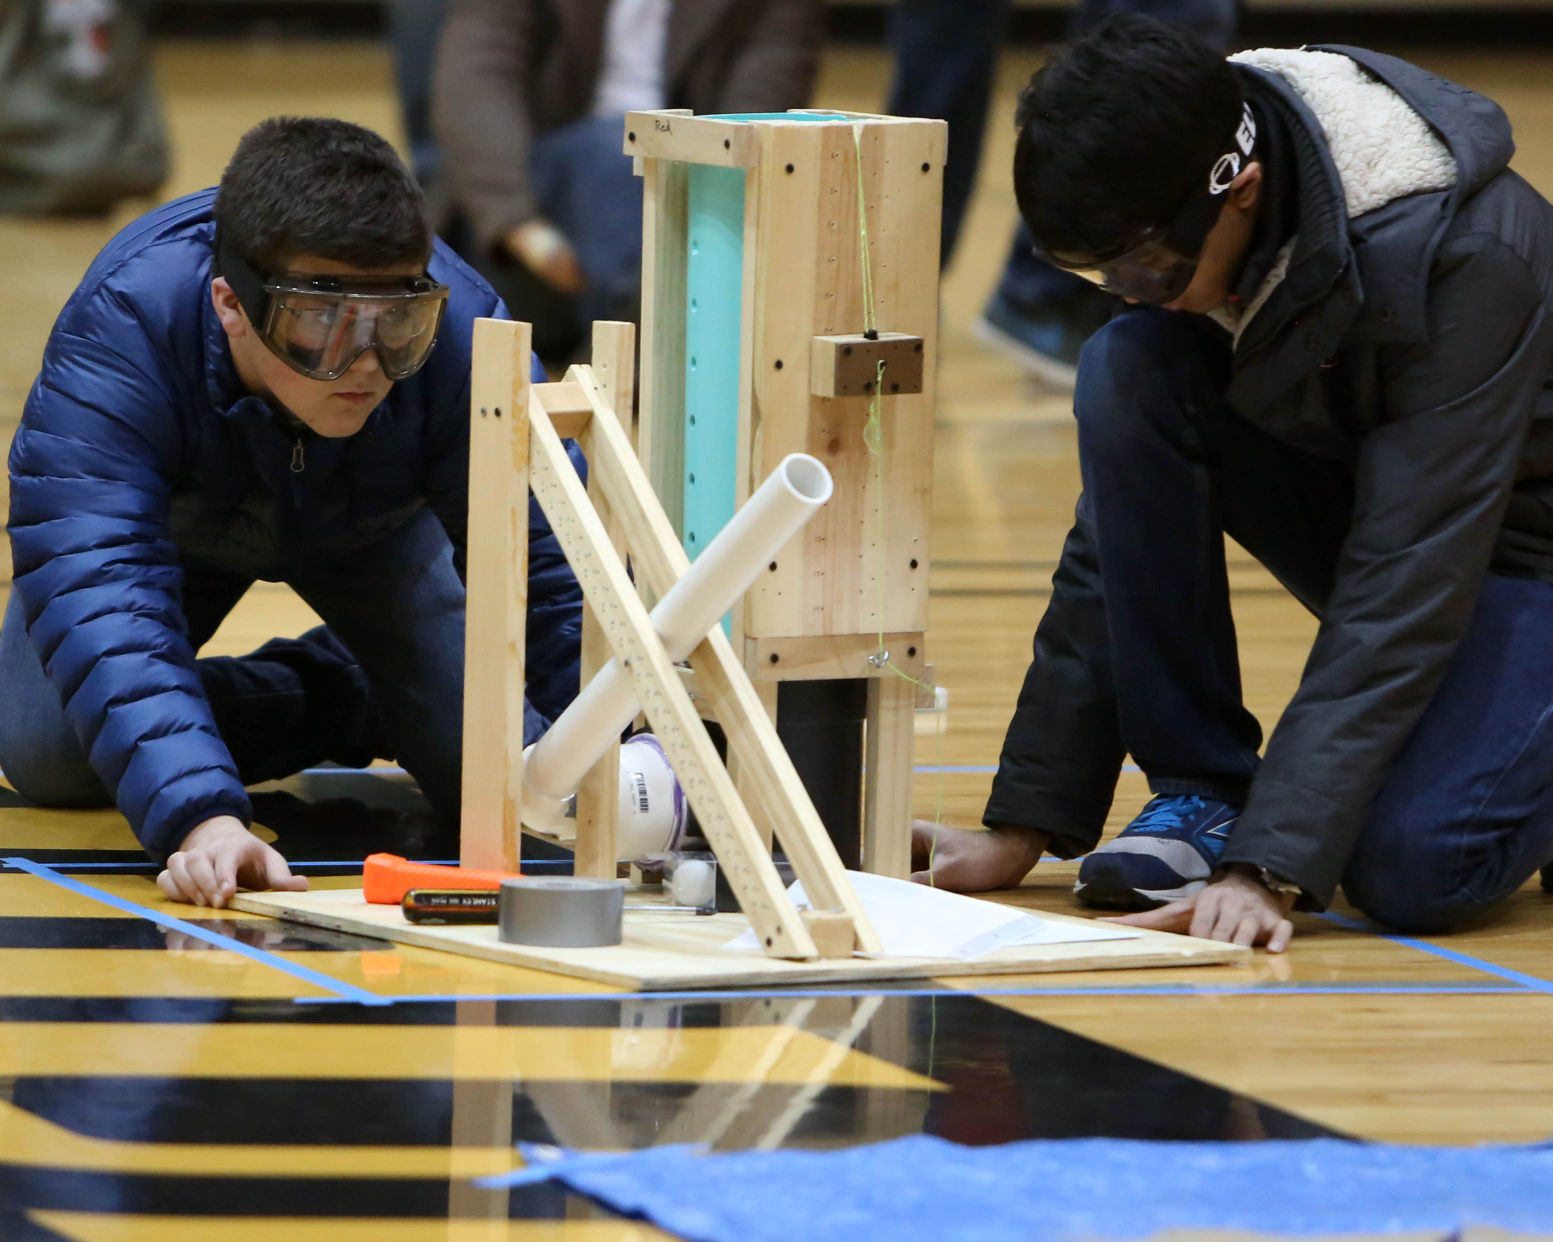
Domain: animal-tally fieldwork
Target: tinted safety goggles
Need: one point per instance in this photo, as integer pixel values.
(320, 325)
(1156, 264)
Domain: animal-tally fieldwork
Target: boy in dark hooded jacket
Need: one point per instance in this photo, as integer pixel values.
(244, 387)
(1339, 352)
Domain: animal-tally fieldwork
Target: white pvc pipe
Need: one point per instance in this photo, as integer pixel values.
(555, 765)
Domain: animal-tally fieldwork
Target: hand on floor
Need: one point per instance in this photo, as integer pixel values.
(970, 860)
(1236, 908)
(216, 857)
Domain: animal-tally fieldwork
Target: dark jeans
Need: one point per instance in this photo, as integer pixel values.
(383, 680)
(946, 55)
(585, 188)
(413, 30)
(1466, 814)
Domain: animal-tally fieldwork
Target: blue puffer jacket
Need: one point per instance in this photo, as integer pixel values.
(140, 450)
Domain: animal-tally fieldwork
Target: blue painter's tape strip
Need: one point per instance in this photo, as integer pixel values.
(1450, 955)
(344, 991)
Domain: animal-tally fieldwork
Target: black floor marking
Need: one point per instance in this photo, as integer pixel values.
(23, 1187)
(25, 932)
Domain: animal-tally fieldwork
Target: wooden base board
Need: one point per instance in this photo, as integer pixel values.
(676, 952)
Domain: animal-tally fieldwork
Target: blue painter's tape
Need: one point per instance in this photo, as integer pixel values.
(344, 991)
(1450, 955)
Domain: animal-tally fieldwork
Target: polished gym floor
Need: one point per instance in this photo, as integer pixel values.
(247, 1079)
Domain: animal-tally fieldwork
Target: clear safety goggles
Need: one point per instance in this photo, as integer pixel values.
(320, 325)
(1156, 264)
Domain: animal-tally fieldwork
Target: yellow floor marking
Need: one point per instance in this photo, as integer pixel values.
(95, 1227)
(34, 897)
(193, 969)
(198, 972)
(34, 1141)
(571, 1054)
(37, 828)
(1418, 1069)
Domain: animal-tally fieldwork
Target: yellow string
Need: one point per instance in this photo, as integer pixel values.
(873, 441)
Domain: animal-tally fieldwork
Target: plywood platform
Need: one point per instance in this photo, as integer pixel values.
(673, 952)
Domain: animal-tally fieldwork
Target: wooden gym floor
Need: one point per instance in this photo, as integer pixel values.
(154, 1085)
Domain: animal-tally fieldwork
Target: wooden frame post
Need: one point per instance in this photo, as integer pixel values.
(497, 596)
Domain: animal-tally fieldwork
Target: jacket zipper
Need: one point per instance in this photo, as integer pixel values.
(298, 462)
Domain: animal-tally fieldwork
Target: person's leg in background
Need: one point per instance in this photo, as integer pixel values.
(413, 26)
(397, 609)
(586, 188)
(1038, 315)
(946, 54)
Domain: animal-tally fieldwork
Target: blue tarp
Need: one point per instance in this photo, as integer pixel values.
(924, 1189)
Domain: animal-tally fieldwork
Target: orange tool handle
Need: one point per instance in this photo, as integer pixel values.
(386, 878)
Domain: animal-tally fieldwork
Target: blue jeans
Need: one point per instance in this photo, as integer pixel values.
(1466, 813)
(382, 679)
(586, 189)
(946, 55)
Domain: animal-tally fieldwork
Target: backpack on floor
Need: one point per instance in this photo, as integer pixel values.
(80, 125)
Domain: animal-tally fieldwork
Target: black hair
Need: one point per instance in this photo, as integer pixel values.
(324, 187)
(1117, 129)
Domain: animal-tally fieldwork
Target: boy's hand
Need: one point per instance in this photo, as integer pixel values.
(544, 250)
(216, 857)
(971, 861)
(1236, 907)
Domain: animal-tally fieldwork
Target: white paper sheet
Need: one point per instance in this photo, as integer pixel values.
(914, 920)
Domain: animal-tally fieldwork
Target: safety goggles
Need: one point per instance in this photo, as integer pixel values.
(1156, 264)
(320, 325)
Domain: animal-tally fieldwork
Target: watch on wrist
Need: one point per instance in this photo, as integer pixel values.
(1277, 884)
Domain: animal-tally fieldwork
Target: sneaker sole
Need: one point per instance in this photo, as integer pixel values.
(1042, 367)
(1107, 889)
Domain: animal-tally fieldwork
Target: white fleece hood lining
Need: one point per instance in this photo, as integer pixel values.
(1381, 148)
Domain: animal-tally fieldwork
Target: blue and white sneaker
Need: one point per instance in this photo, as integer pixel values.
(1166, 853)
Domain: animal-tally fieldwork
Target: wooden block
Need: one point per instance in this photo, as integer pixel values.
(891, 735)
(673, 134)
(497, 607)
(834, 935)
(847, 365)
(567, 407)
(847, 656)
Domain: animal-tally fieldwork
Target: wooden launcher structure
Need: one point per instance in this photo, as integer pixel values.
(756, 345)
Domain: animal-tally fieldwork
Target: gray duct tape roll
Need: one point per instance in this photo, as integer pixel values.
(563, 912)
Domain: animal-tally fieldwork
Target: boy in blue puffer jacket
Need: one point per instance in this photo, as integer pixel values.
(244, 387)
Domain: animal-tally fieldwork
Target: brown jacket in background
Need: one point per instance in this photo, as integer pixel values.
(507, 69)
